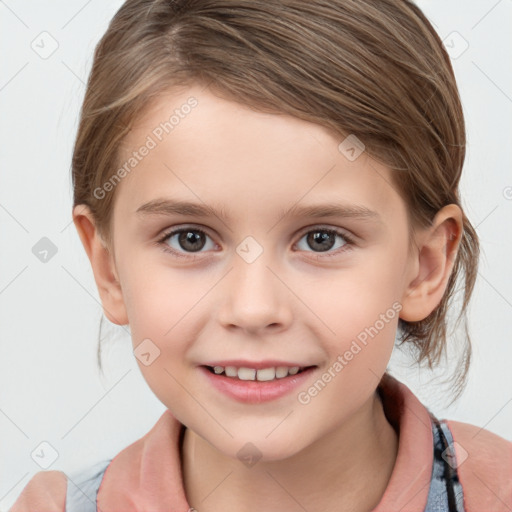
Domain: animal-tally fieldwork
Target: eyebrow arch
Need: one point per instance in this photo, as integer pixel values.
(170, 207)
(332, 210)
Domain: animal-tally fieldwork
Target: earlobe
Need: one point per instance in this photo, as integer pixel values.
(103, 265)
(437, 251)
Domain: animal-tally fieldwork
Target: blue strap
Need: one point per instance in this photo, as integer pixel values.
(445, 493)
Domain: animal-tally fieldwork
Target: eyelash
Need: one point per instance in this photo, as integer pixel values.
(349, 241)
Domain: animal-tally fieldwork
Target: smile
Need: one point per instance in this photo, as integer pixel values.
(262, 374)
(253, 386)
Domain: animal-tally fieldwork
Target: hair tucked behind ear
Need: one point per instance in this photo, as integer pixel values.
(373, 68)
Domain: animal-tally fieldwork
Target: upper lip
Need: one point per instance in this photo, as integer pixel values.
(257, 365)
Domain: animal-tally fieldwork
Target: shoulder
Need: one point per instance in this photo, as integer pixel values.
(45, 491)
(484, 466)
(479, 446)
(54, 491)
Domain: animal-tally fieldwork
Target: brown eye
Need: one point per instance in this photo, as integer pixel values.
(185, 240)
(191, 240)
(323, 240)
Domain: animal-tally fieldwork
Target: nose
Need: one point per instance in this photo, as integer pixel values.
(254, 297)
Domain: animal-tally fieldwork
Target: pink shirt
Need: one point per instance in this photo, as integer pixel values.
(147, 474)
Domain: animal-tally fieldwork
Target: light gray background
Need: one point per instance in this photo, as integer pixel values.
(50, 388)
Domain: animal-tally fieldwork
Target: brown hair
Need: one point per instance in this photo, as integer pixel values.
(372, 68)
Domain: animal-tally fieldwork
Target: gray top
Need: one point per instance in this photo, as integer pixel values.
(83, 487)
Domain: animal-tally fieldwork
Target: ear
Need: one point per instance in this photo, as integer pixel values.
(103, 265)
(433, 263)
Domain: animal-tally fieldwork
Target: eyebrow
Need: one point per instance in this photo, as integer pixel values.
(173, 207)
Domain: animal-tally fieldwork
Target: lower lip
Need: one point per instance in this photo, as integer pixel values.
(256, 392)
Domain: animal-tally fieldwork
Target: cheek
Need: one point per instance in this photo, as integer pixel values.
(156, 298)
(358, 295)
(362, 314)
(164, 306)
(360, 308)
(161, 316)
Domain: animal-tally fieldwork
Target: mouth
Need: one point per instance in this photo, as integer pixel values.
(256, 386)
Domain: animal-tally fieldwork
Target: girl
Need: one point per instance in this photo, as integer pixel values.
(267, 192)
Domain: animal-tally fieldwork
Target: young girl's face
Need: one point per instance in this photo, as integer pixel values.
(259, 284)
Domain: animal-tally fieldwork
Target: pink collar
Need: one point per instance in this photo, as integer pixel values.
(147, 474)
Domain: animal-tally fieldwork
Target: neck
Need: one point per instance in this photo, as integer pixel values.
(348, 469)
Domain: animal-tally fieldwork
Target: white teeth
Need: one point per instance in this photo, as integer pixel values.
(281, 371)
(231, 371)
(264, 374)
(246, 373)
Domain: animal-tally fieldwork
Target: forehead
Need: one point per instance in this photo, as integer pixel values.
(203, 147)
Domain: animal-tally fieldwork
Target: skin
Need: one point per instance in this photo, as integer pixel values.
(292, 303)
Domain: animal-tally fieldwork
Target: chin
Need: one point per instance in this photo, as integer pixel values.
(251, 449)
